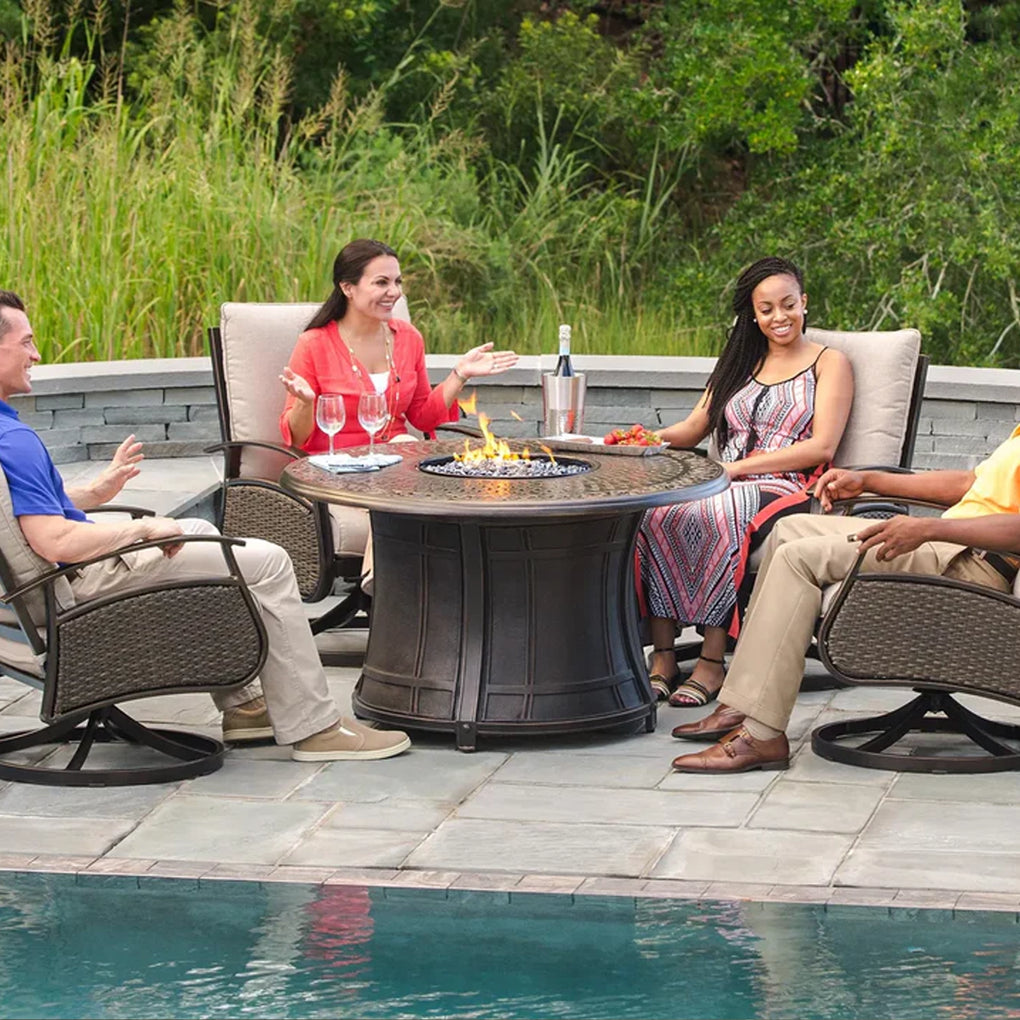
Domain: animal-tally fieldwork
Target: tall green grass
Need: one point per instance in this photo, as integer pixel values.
(137, 199)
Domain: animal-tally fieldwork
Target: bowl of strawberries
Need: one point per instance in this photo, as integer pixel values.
(636, 438)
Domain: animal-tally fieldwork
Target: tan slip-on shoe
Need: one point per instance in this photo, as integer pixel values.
(350, 740)
(247, 722)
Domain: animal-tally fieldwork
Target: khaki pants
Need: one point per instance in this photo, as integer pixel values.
(297, 694)
(803, 555)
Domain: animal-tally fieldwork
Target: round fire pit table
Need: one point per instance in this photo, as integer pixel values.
(506, 606)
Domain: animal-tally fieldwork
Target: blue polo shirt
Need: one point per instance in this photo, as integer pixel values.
(32, 478)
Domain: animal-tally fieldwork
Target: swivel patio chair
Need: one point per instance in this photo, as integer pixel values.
(326, 543)
(889, 376)
(195, 635)
(938, 636)
(249, 349)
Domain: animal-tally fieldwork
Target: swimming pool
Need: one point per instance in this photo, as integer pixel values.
(104, 946)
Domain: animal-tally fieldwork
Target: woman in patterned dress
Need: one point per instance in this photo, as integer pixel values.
(776, 405)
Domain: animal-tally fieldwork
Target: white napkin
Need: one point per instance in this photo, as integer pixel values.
(344, 463)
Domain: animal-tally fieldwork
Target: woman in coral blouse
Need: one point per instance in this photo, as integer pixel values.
(353, 345)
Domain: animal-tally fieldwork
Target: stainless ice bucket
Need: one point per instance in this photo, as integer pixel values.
(562, 403)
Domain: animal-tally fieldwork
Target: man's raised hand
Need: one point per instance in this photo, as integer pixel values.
(121, 469)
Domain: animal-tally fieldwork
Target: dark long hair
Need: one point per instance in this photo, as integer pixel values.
(746, 345)
(348, 267)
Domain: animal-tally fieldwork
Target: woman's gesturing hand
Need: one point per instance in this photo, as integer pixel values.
(297, 386)
(484, 360)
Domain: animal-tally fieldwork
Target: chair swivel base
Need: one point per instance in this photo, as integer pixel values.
(190, 754)
(916, 716)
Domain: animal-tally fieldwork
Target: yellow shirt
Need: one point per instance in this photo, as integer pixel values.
(996, 488)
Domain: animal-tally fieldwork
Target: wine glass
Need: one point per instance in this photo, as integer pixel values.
(330, 415)
(373, 415)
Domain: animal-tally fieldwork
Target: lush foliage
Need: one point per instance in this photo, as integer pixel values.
(611, 164)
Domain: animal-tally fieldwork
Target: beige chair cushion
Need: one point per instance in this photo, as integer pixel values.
(25, 565)
(884, 365)
(350, 529)
(18, 654)
(257, 343)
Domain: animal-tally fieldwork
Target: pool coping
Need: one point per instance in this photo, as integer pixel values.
(830, 897)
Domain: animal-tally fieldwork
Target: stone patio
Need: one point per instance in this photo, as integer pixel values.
(595, 814)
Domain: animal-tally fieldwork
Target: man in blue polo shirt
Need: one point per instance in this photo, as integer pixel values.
(297, 707)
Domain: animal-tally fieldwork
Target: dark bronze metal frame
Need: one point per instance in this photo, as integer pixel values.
(193, 635)
(938, 636)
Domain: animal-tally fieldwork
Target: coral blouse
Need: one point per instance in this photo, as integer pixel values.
(325, 361)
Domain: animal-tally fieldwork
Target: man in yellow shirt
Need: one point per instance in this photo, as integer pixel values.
(977, 539)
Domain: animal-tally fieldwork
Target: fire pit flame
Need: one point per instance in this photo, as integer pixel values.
(495, 459)
(493, 449)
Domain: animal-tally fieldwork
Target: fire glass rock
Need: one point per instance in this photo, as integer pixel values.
(494, 467)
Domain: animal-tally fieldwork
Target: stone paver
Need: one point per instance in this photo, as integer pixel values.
(602, 770)
(584, 805)
(548, 847)
(570, 815)
(190, 828)
(431, 774)
(909, 868)
(41, 835)
(741, 855)
(128, 802)
(994, 788)
(357, 848)
(811, 806)
(240, 777)
(906, 826)
(410, 815)
(807, 767)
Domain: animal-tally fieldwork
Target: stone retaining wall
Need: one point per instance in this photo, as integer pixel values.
(82, 411)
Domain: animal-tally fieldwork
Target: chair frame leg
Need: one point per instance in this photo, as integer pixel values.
(193, 754)
(917, 716)
(343, 613)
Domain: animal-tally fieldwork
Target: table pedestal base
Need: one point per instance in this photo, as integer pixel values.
(528, 626)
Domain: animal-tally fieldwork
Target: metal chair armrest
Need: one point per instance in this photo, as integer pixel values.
(120, 508)
(891, 469)
(153, 543)
(898, 501)
(291, 451)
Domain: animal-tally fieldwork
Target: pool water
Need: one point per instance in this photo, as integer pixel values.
(117, 947)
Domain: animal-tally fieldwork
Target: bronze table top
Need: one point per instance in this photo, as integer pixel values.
(616, 484)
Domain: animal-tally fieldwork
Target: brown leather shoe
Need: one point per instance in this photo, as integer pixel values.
(738, 752)
(711, 727)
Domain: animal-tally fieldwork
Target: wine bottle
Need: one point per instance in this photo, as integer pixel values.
(563, 366)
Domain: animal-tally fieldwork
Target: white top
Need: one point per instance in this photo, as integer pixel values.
(380, 380)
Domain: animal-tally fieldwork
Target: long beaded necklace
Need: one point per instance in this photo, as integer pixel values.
(368, 385)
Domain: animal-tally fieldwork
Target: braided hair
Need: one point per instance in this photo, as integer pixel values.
(746, 345)
(347, 268)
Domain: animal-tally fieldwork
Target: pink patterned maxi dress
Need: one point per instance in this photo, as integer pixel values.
(692, 556)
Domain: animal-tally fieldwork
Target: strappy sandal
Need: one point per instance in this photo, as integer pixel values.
(662, 686)
(693, 694)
